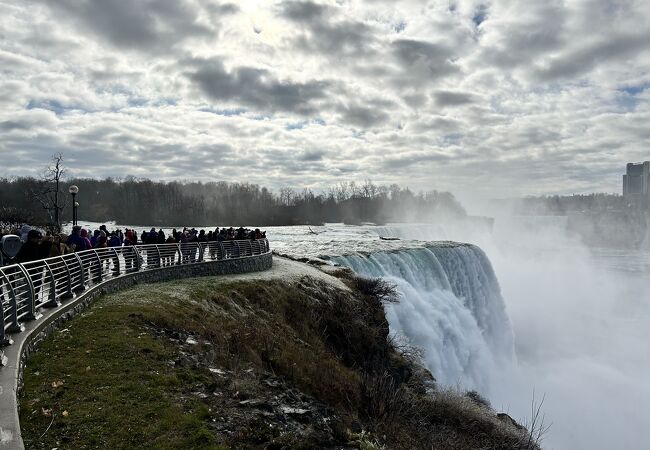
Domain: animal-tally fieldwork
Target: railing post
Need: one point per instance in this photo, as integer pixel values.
(116, 262)
(69, 293)
(15, 326)
(32, 295)
(99, 276)
(4, 337)
(138, 262)
(82, 275)
(201, 250)
(180, 253)
(159, 256)
(52, 303)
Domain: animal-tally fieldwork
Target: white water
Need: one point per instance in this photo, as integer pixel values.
(450, 307)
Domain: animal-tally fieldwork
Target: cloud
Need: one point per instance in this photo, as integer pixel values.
(577, 61)
(421, 62)
(256, 88)
(452, 98)
(149, 25)
(363, 116)
(326, 32)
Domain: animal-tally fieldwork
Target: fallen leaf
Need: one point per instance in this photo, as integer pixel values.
(87, 368)
(57, 384)
(65, 413)
(46, 412)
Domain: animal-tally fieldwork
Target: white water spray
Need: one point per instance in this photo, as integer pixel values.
(450, 306)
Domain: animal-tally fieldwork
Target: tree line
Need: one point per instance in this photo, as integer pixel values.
(141, 201)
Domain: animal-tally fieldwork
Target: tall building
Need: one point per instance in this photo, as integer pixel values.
(636, 182)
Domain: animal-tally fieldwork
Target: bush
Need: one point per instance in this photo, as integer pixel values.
(378, 288)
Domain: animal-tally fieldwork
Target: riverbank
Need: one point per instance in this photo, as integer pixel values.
(288, 358)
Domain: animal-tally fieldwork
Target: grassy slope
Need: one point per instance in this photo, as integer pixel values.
(136, 373)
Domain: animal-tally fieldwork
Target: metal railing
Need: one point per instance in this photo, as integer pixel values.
(26, 288)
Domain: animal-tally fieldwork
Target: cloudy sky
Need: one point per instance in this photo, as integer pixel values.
(502, 97)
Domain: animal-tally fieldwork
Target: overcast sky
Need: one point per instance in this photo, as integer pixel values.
(501, 98)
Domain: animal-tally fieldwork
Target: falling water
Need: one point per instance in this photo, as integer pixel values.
(450, 307)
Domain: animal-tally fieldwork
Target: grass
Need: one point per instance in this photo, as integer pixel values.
(208, 364)
(104, 383)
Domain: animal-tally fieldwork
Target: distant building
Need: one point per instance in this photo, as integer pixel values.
(636, 182)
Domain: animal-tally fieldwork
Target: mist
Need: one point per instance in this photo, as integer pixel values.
(580, 330)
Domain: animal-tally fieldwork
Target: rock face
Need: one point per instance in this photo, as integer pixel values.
(275, 362)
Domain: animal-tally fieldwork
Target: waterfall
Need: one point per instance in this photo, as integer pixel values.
(450, 307)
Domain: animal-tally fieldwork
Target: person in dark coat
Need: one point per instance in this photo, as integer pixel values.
(31, 250)
(76, 240)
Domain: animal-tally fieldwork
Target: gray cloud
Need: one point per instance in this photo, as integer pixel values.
(256, 87)
(421, 61)
(303, 11)
(364, 116)
(150, 25)
(453, 98)
(575, 62)
(325, 32)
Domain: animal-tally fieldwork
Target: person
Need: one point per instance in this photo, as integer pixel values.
(24, 231)
(151, 238)
(102, 240)
(169, 260)
(114, 240)
(130, 254)
(93, 238)
(75, 241)
(84, 236)
(30, 250)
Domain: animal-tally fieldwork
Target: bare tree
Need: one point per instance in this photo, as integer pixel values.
(48, 191)
(287, 196)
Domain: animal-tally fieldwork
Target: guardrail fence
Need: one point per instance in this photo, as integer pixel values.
(25, 288)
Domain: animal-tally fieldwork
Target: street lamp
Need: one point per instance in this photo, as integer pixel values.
(74, 190)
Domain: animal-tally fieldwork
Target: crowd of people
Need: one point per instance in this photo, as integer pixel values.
(39, 245)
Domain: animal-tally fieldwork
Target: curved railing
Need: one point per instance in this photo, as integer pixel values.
(25, 288)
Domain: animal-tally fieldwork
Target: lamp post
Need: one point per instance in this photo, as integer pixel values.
(74, 190)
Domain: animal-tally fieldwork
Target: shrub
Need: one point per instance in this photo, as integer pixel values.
(377, 288)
